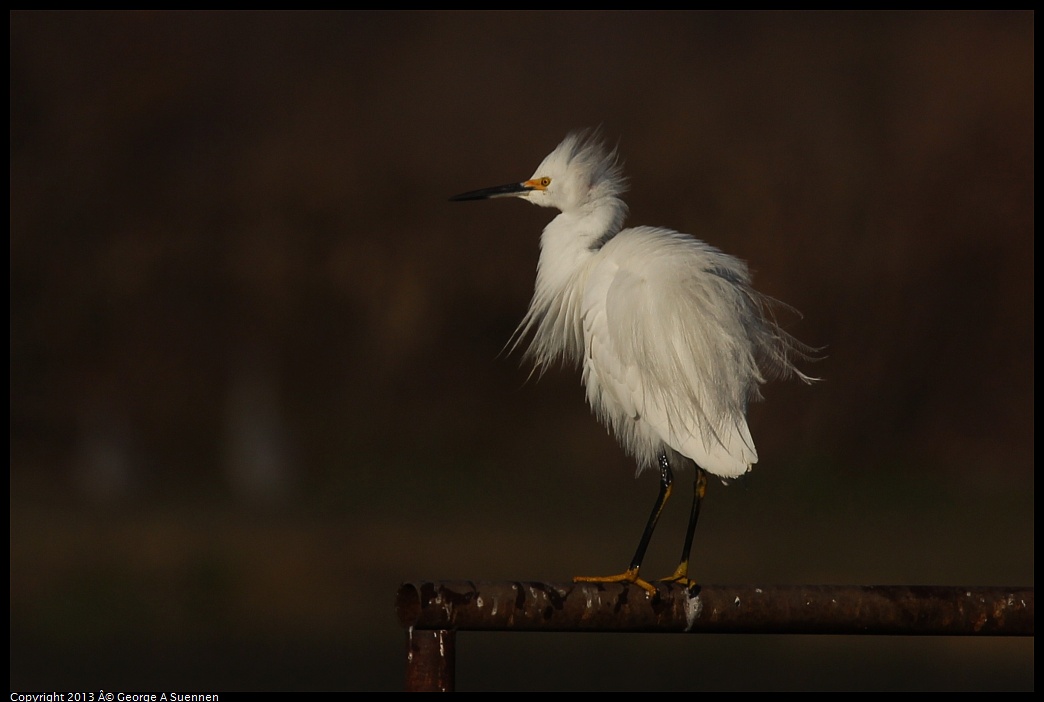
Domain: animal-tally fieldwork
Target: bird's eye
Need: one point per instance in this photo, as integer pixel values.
(545, 182)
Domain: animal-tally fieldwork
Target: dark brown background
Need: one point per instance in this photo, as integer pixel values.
(256, 378)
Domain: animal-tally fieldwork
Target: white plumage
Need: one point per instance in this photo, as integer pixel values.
(672, 339)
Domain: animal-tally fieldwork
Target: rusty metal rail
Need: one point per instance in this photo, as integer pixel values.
(431, 613)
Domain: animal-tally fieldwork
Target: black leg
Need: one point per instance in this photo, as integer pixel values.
(681, 574)
(666, 479)
(631, 574)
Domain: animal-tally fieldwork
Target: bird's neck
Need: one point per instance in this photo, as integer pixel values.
(568, 248)
(572, 238)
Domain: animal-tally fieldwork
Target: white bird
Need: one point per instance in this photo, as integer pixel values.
(672, 339)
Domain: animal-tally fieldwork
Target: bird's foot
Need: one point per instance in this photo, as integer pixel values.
(628, 576)
(681, 577)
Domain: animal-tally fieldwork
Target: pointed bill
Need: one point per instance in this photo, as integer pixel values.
(509, 190)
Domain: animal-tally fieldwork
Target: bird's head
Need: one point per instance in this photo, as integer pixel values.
(580, 170)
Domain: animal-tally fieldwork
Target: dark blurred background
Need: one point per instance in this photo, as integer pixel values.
(256, 368)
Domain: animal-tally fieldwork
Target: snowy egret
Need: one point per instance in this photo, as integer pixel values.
(672, 339)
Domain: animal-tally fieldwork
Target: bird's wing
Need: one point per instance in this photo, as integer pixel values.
(669, 357)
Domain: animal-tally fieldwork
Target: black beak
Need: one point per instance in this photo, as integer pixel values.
(509, 190)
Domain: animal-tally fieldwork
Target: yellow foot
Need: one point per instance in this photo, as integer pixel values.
(628, 576)
(681, 576)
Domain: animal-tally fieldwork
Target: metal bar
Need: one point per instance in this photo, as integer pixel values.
(431, 660)
(774, 609)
